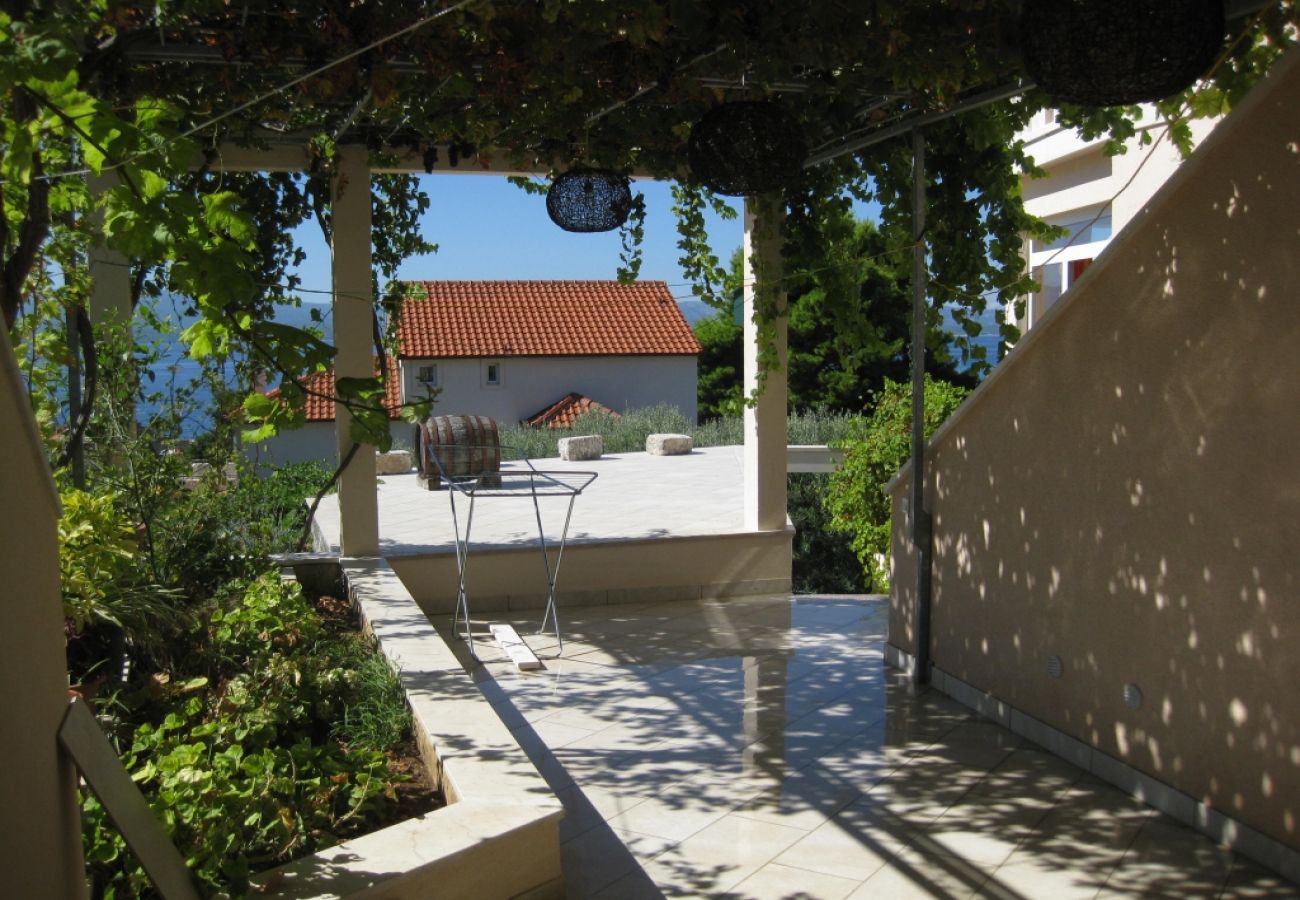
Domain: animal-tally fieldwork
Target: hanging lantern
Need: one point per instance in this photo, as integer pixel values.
(1113, 52)
(748, 147)
(589, 200)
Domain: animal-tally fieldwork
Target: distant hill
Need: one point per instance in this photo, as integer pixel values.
(695, 309)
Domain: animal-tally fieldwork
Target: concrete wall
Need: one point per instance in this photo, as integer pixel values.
(531, 384)
(1123, 491)
(314, 442)
(40, 855)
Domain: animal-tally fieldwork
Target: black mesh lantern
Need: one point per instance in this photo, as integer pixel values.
(1113, 52)
(589, 200)
(747, 147)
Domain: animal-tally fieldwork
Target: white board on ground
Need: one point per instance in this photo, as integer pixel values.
(509, 641)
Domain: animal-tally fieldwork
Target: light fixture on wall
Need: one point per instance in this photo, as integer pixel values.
(1116, 52)
(1132, 696)
(745, 148)
(589, 200)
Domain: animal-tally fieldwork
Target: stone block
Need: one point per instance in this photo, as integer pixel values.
(668, 444)
(587, 446)
(394, 462)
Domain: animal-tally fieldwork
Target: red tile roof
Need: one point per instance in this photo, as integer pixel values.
(543, 318)
(565, 412)
(321, 408)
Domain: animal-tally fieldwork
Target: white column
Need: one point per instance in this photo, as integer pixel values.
(765, 422)
(110, 293)
(353, 304)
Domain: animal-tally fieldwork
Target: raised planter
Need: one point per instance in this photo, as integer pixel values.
(499, 834)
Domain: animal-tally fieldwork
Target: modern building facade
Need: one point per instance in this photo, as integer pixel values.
(1092, 194)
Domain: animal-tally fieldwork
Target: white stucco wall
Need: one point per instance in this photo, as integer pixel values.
(314, 442)
(40, 854)
(530, 384)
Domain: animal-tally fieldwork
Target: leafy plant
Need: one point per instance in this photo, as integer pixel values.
(824, 562)
(875, 450)
(102, 579)
(266, 741)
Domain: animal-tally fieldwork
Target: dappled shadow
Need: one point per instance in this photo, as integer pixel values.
(722, 741)
(1121, 500)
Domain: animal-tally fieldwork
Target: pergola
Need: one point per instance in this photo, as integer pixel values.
(850, 81)
(539, 89)
(528, 89)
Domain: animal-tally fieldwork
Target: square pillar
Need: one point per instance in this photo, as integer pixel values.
(765, 422)
(353, 308)
(110, 292)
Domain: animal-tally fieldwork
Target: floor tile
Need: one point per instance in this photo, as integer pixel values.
(1033, 877)
(721, 856)
(777, 882)
(601, 856)
(849, 846)
(795, 765)
(1168, 859)
(1251, 881)
(914, 874)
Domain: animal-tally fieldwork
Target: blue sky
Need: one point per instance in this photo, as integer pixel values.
(487, 228)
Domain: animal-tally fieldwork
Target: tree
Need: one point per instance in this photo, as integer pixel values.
(876, 449)
(849, 326)
(721, 365)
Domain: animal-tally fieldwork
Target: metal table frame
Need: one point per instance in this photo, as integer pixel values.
(528, 482)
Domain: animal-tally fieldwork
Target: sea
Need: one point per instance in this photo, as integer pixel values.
(176, 370)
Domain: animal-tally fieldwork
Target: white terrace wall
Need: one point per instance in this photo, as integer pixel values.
(530, 384)
(315, 442)
(1124, 491)
(40, 854)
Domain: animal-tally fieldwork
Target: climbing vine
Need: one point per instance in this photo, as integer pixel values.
(146, 96)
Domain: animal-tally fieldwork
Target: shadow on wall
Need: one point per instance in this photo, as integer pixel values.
(1124, 495)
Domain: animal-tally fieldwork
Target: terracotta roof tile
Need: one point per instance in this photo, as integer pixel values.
(542, 318)
(564, 412)
(321, 408)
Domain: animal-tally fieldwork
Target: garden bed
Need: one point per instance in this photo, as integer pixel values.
(498, 835)
(277, 731)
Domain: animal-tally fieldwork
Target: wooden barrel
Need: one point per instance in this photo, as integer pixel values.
(466, 446)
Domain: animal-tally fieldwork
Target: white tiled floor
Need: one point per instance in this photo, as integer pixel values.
(635, 495)
(759, 748)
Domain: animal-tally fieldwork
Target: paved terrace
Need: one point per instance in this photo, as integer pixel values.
(636, 496)
(758, 747)
(648, 528)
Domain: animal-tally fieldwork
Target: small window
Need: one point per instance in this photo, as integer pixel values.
(492, 374)
(1077, 267)
(427, 375)
(1049, 116)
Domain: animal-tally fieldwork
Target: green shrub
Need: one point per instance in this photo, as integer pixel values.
(824, 562)
(105, 586)
(260, 747)
(221, 530)
(876, 448)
